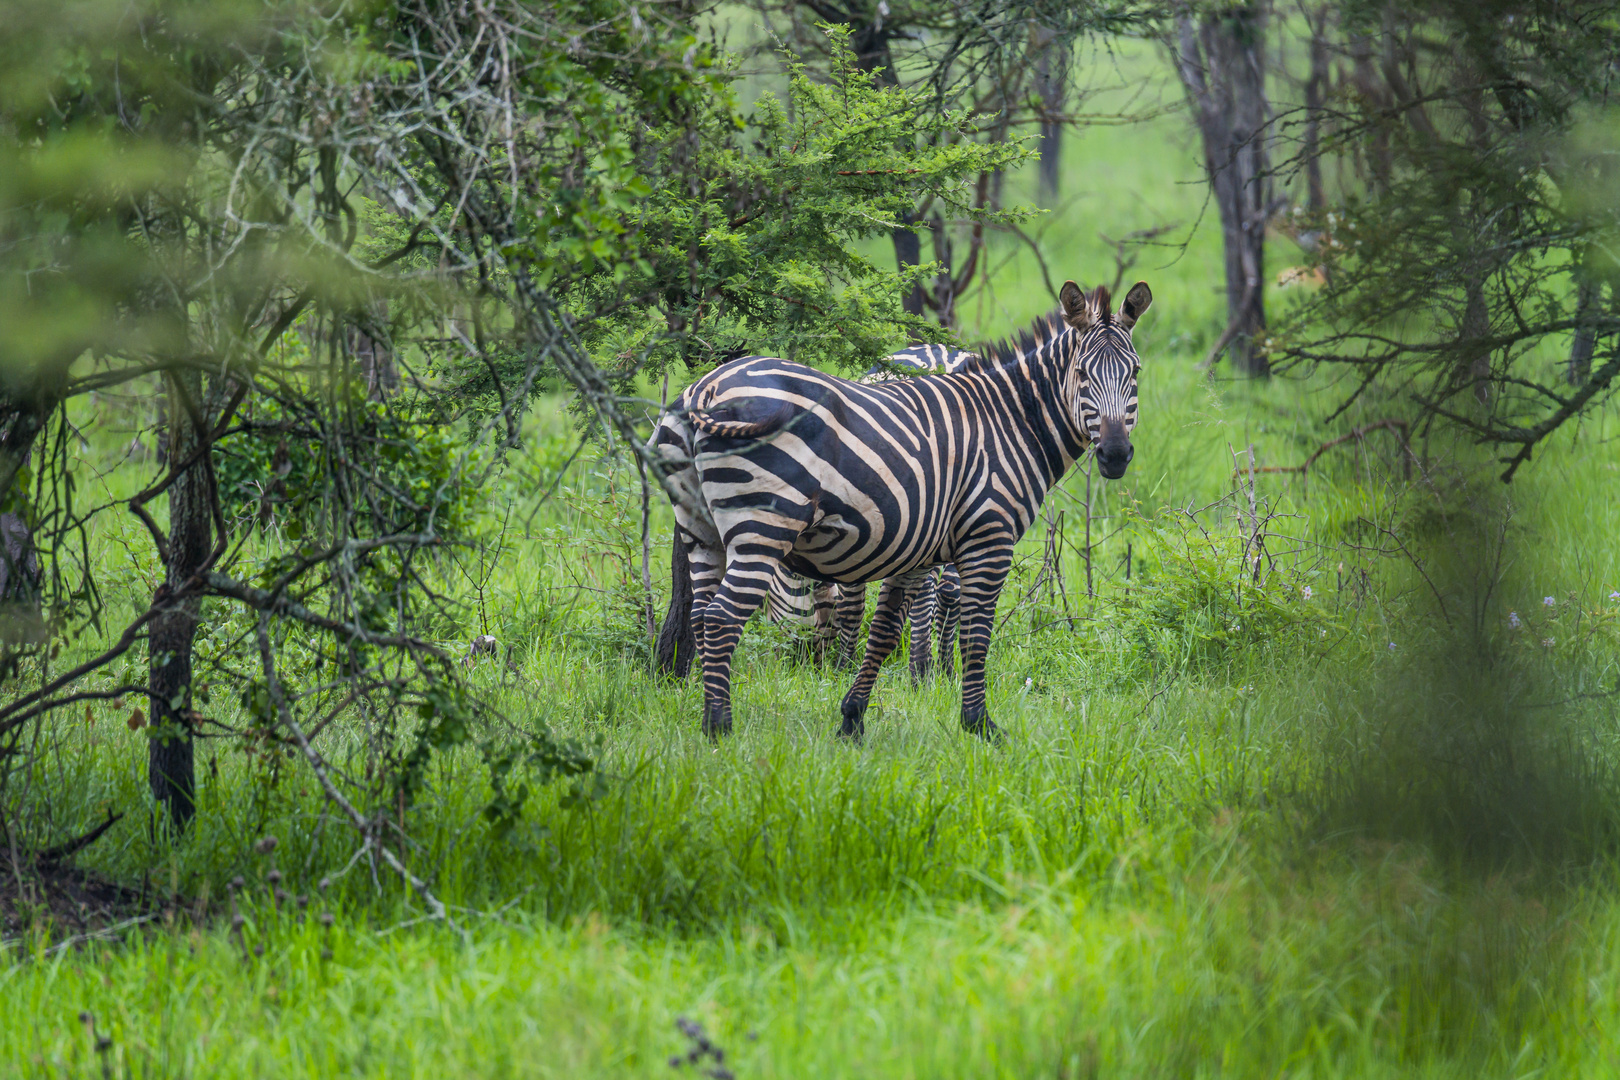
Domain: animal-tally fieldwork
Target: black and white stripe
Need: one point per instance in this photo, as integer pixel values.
(849, 483)
(833, 613)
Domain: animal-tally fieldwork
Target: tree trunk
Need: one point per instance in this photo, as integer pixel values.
(908, 252)
(1588, 301)
(1221, 61)
(1316, 87)
(24, 413)
(1475, 368)
(1380, 157)
(373, 358)
(1050, 74)
(676, 643)
(170, 771)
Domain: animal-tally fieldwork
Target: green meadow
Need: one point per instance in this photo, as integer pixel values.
(1307, 774)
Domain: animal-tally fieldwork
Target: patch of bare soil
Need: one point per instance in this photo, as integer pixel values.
(41, 893)
(63, 902)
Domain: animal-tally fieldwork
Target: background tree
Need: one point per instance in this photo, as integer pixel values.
(1220, 56)
(1008, 66)
(1480, 242)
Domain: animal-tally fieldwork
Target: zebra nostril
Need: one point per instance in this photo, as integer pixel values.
(1130, 452)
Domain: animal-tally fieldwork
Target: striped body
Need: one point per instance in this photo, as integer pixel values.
(834, 612)
(848, 483)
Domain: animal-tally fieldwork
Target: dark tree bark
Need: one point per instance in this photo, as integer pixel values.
(676, 643)
(1050, 78)
(1221, 61)
(170, 769)
(1316, 88)
(1378, 154)
(24, 412)
(908, 252)
(374, 362)
(1588, 307)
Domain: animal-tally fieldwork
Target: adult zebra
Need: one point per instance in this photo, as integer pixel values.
(832, 614)
(851, 483)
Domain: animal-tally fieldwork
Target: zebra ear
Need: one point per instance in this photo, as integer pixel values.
(1136, 302)
(1077, 312)
(1101, 309)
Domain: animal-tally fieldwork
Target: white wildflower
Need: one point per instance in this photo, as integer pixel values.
(1547, 601)
(1615, 595)
(1547, 643)
(1306, 592)
(1514, 620)
(1392, 646)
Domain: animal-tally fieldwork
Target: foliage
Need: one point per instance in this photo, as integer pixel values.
(764, 259)
(1476, 246)
(1209, 598)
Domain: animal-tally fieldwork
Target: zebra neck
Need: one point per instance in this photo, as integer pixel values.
(1035, 399)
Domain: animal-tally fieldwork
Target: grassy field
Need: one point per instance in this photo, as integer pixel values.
(1309, 825)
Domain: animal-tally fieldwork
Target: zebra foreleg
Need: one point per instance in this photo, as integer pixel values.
(880, 642)
(949, 618)
(924, 601)
(981, 587)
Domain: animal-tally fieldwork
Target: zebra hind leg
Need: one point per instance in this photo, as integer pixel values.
(724, 596)
(825, 621)
(851, 610)
(924, 602)
(880, 642)
(948, 618)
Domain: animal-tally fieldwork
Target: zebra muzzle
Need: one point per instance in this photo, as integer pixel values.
(1114, 449)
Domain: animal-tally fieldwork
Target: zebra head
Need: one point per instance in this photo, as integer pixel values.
(1103, 371)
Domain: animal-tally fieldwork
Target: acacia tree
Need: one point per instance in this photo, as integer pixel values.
(1482, 238)
(1007, 65)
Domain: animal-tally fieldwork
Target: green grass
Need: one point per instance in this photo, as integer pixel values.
(1232, 831)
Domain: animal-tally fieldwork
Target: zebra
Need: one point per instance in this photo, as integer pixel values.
(833, 613)
(851, 483)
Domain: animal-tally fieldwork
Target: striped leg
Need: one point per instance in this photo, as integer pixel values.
(741, 591)
(880, 642)
(706, 566)
(851, 610)
(924, 602)
(825, 622)
(949, 619)
(982, 579)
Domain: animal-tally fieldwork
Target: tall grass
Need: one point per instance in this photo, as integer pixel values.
(1236, 829)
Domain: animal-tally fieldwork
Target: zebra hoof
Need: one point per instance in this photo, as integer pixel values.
(854, 725)
(717, 724)
(981, 725)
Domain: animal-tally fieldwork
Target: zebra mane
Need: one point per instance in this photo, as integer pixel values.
(994, 354)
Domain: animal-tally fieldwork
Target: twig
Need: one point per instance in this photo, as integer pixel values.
(1357, 434)
(77, 844)
(317, 765)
